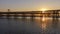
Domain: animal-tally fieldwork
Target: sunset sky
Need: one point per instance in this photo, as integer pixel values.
(29, 4)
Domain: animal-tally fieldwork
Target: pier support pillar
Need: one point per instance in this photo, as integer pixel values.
(15, 16)
(23, 16)
(32, 17)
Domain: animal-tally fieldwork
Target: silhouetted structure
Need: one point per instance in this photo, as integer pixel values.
(48, 13)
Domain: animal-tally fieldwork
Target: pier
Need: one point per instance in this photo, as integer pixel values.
(48, 13)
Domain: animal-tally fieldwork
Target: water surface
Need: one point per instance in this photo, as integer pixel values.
(37, 25)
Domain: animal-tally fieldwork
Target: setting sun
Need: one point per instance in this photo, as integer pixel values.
(43, 9)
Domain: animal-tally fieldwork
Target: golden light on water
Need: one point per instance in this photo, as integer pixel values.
(44, 26)
(43, 23)
(43, 19)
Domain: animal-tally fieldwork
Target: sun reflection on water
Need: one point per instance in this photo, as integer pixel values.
(44, 26)
(44, 23)
(43, 19)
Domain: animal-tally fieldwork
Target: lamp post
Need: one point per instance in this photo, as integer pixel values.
(8, 14)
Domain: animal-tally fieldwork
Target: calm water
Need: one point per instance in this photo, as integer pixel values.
(37, 25)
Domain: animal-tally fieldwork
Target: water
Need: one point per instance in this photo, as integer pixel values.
(37, 25)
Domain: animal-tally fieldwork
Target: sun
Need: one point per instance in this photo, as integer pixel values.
(43, 9)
